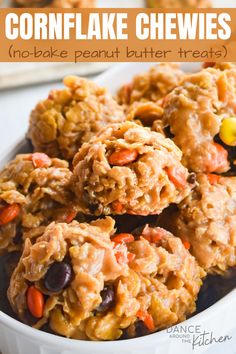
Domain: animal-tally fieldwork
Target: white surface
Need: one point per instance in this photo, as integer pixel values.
(16, 338)
(21, 74)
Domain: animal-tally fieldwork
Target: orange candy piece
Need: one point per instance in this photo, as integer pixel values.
(186, 244)
(147, 319)
(122, 157)
(9, 213)
(220, 160)
(123, 238)
(177, 176)
(213, 179)
(35, 302)
(118, 207)
(70, 216)
(41, 160)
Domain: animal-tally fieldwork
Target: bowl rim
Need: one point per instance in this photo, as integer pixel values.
(48, 338)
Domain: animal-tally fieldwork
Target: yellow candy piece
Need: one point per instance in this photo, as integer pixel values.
(228, 131)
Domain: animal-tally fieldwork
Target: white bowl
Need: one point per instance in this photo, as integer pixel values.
(17, 338)
(219, 319)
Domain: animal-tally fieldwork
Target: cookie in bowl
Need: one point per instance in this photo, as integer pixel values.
(197, 114)
(87, 282)
(34, 190)
(206, 219)
(152, 85)
(129, 169)
(60, 124)
(148, 114)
